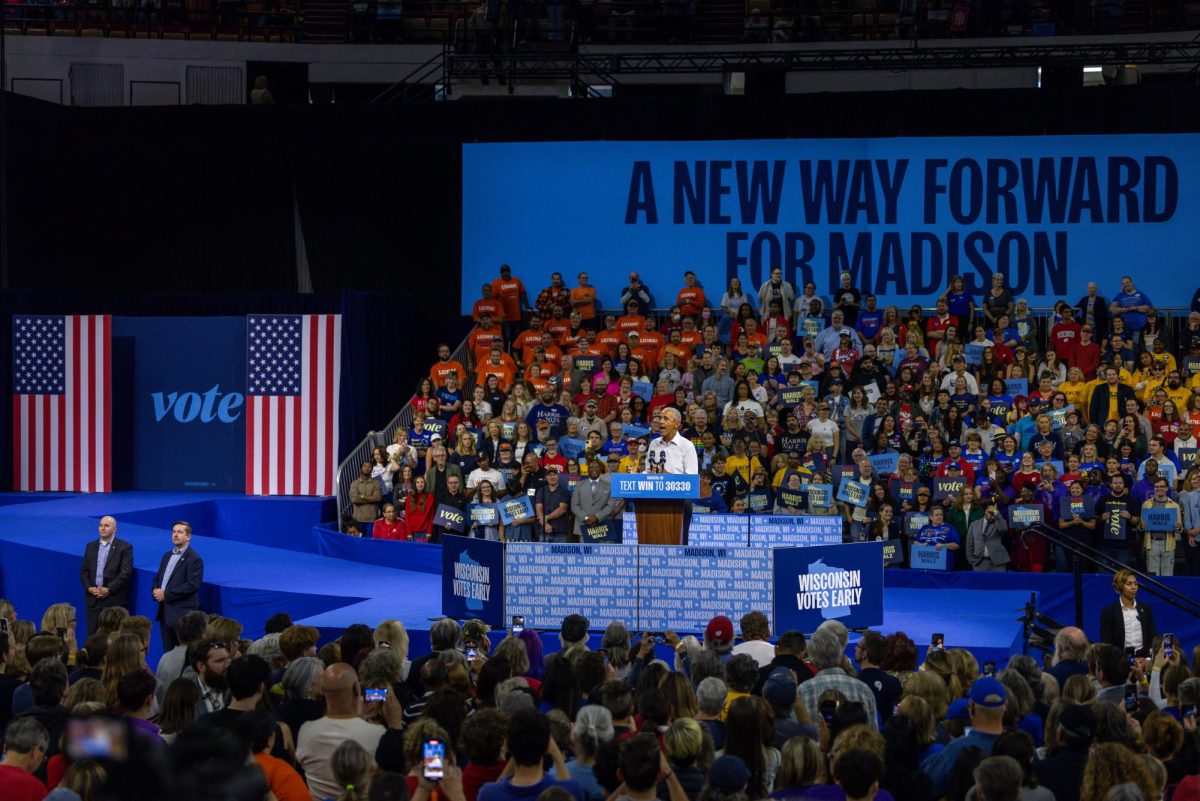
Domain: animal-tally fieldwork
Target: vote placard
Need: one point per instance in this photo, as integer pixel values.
(450, 517)
(885, 463)
(947, 487)
(485, 514)
(1116, 528)
(1017, 387)
(1069, 506)
(820, 496)
(1025, 515)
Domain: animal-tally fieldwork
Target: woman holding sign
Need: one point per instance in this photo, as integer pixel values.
(1077, 520)
(484, 516)
(939, 534)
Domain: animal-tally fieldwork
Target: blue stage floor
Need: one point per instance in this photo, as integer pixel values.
(267, 555)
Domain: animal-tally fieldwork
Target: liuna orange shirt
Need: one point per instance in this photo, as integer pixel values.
(282, 779)
(690, 300)
(441, 369)
(509, 292)
(583, 300)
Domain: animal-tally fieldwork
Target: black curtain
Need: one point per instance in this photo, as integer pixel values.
(109, 206)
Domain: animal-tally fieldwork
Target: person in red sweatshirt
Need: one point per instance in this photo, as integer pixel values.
(1086, 355)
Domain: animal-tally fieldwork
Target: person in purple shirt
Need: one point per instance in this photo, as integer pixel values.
(135, 691)
(937, 532)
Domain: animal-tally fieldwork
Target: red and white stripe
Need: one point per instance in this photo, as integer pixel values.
(63, 443)
(291, 441)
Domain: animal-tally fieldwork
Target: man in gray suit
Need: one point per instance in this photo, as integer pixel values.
(985, 541)
(592, 500)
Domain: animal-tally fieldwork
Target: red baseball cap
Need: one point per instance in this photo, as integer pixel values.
(719, 629)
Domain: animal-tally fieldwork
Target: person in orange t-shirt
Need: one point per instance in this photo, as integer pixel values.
(690, 299)
(690, 336)
(652, 339)
(632, 320)
(444, 366)
(488, 304)
(583, 300)
(528, 340)
(553, 352)
(753, 334)
(511, 293)
(483, 337)
(497, 366)
(557, 325)
(608, 339)
(648, 356)
(282, 779)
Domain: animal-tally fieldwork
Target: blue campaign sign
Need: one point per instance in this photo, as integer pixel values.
(973, 353)
(792, 531)
(1162, 518)
(669, 577)
(1017, 387)
(473, 579)
(885, 463)
(1025, 514)
(450, 517)
(631, 486)
(515, 509)
(902, 215)
(187, 426)
(633, 432)
(643, 389)
(820, 496)
(927, 557)
(715, 530)
(830, 582)
(853, 492)
(604, 531)
(544, 579)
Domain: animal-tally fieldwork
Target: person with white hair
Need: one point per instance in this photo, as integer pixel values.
(827, 652)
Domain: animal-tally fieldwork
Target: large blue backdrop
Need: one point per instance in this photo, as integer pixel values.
(901, 215)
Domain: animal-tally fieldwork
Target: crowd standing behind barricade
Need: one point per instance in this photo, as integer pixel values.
(964, 425)
(490, 716)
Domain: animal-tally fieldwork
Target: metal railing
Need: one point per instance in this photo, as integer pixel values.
(154, 21)
(347, 471)
(1110, 564)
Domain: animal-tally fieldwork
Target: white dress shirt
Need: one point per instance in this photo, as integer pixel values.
(680, 455)
(1133, 627)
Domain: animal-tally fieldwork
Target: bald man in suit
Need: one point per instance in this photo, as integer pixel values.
(106, 572)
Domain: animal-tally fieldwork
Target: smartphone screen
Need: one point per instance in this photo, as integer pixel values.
(433, 756)
(518, 624)
(3, 625)
(472, 653)
(938, 641)
(828, 710)
(375, 695)
(989, 668)
(96, 738)
(1131, 698)
(1189, 710)
(1132, 654)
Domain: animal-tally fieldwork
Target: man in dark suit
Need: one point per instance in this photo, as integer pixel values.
(177, 583)
(1108, 399)
(592, 502)
(1128, 623)
(106, 572)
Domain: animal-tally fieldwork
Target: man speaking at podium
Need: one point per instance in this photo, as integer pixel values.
(675, 454)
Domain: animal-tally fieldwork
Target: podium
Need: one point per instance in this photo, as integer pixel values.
(658, 503)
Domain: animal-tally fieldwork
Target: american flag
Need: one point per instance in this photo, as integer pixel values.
(293, 373)
(62, 409)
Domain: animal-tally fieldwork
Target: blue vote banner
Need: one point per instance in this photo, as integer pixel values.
(973, 354)
(670, 578)
(945, 487)
(794, 531)
(632, 486)
(1187, 458)
(853, 492)
(927, 557)
(885, 463)
(1017, 387)
(515, 509)
(1116, 528)
(186, 423)
(473, 580)
(828, 582)
(901, 215)
(1163, 518)
(571, 448)
(543, 579)
(450, 517)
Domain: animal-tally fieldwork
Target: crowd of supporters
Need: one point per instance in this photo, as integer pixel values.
(787, 392)
(729, 716)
